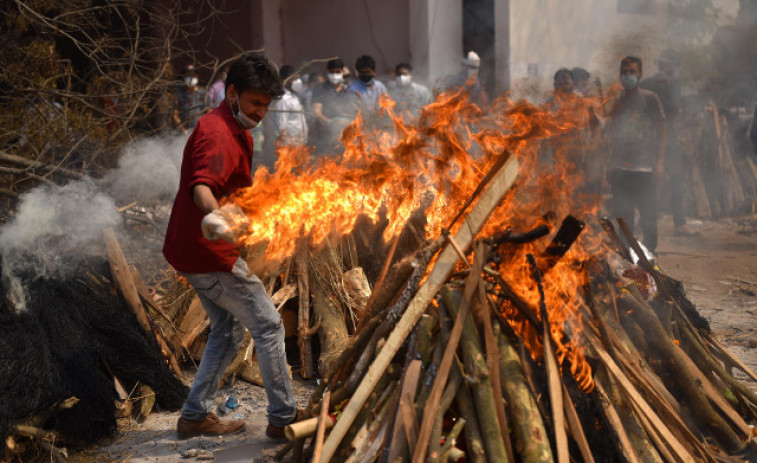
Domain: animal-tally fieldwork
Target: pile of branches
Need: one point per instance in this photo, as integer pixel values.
(439, 373)
(81, 79)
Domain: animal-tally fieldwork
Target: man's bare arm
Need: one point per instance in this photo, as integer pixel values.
(203, 198)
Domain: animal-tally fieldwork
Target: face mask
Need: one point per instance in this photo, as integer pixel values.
(367, 79)
(244, 122)
(190, 81)
(335, 78)
(405, 79)
(298, 86)
(629, 82)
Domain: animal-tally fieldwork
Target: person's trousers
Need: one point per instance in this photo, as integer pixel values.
(233, 301)
(633, 191)
(674, 166)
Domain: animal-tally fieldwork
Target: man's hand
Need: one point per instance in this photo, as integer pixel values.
(225, 223)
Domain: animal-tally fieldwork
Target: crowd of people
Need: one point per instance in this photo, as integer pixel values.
(624, 147)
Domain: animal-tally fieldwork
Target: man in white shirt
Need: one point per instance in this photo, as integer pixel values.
(287, 113)
(409, 95)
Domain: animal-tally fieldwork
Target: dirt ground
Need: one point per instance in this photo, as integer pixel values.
(718, 268)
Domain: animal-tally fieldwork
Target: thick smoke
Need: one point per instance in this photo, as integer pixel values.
(56, 228)
(148, 170)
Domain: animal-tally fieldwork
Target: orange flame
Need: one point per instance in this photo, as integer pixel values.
(435, 163)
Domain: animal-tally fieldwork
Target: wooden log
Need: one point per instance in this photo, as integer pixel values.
(666, 350)
(473, 440)
(501, 184)
(492, 359)
(358, 291)
(451, 438)
(481, 387)
(628, 450)
(194, 323)
(435, 452)
(303, 314)
(332, 332)
(432, 404)
(531, 441)
(121, 273)
(147, 297)
(407, 397)
(307, 428)
(681, 452)
(146, 398)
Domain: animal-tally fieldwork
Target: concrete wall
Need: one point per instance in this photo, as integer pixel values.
(436, 38)
(347, 29)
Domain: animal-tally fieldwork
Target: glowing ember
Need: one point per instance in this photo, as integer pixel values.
(435, 163)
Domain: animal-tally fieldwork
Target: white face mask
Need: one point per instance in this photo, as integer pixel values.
(298, 86)
(190, 81)
(404, 79)
(335, 78)
(244, 122)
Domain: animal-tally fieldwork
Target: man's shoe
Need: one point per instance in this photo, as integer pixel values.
(275, 432)
(210, 426)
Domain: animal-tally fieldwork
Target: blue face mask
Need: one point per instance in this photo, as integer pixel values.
(629, 82)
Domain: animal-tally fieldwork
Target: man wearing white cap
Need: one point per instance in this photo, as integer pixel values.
(467, 78)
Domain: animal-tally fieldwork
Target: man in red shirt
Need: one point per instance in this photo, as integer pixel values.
(216, 162)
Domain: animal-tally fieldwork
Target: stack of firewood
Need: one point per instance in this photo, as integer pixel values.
(721, 180)
(437, 371)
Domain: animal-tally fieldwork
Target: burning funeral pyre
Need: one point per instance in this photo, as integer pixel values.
(492, 331)
(451, 282)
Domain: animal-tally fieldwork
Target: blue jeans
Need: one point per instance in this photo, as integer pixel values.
(234, 301)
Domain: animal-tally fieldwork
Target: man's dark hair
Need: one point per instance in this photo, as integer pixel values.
(563, 71)
(365, 61)
(335, 63)
(580, 74)
(286, 71)
(254, 71)
(406, 66)
(631, 60)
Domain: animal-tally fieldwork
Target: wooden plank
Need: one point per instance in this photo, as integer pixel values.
(576, 430)
(194, 323)
(121, 273)
(490, 199)
(407, 397)
(555, 398)
(321, 431)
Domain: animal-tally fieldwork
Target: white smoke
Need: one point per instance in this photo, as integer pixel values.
(148, 170)
(57, 227)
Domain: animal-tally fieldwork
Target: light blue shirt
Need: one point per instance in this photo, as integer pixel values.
(368, 95)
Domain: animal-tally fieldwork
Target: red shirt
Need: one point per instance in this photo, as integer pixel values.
(218, 154)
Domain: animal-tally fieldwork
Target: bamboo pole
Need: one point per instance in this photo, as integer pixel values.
(530, 436)
(490, 199)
